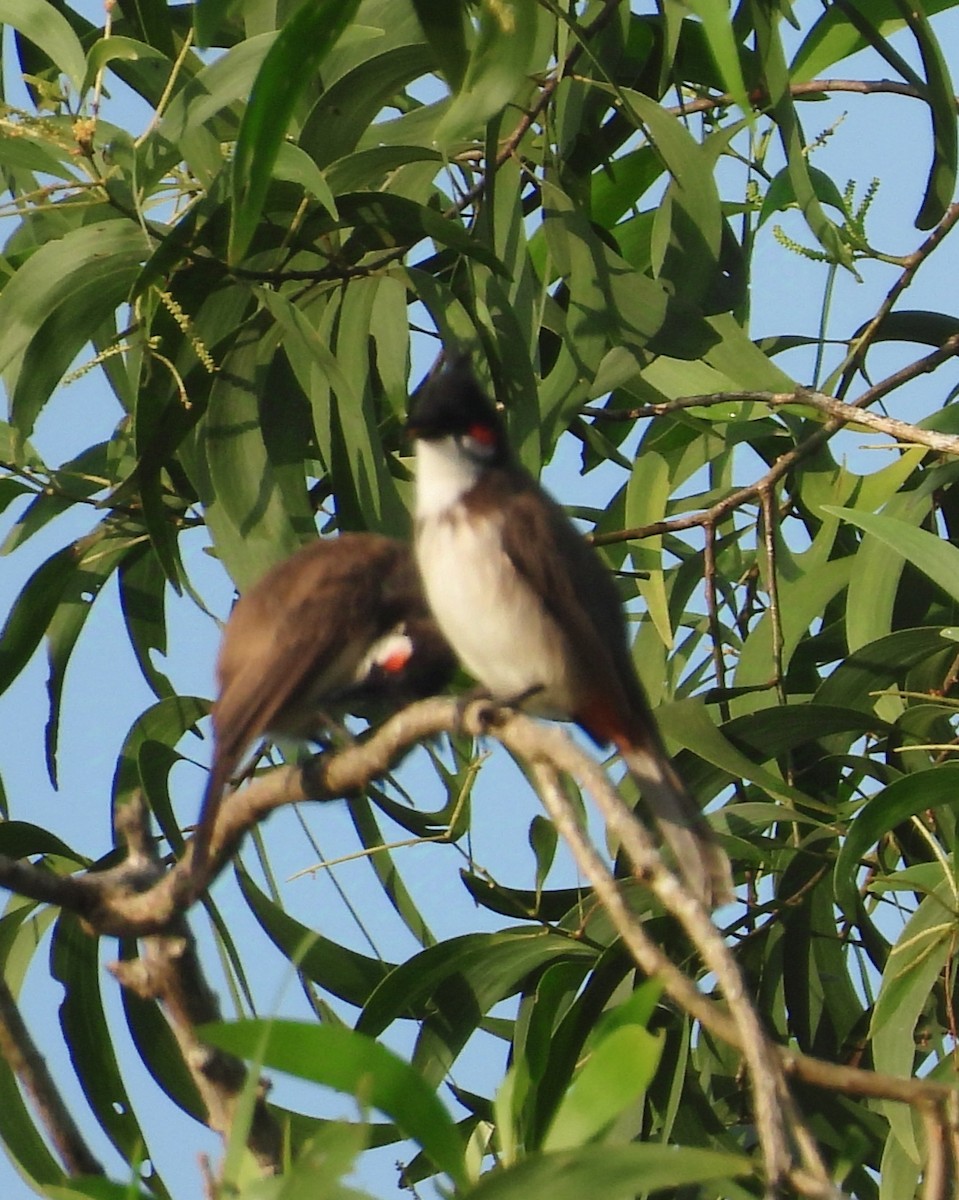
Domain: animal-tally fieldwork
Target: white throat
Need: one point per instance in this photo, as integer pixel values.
(444, 474)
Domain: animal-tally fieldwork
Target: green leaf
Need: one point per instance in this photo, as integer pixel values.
(647, 495)
(48, 29)
(921, 951)
(834, 36)
(32, 612)
(214, 92)
(292, 60)
(142, 602)
(898, 802)
(91, 1188)
(614, 1076)
(933, 556)
(95, 565)
(27, 152)
(296, 165)
(543, 839)
(360, 473)
(689, 725)
(164, 722)
(76, 480)
(344, 118)
(688, 226)
(914, 325)
(22, 941)
(941, 184)
(56, 301)
(381, 860)
(614, 1172)
(443, 23)
(337, 969)
(320, 1166)
(875, 583)
(491, 965)
(781, 193)
(115, 47)
(777, 81)
(505, 52)
(721, 39)
(803, 598)
(353, 1063)
(75, 964)
(872, 669)
(248, 494)
(208, 16)
(369, 168)
(20, 839)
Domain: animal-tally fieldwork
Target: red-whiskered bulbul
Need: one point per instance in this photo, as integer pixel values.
(340, 627)
(531, 610)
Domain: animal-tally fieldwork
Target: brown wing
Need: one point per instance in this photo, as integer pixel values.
(294, 637)
(571, 582)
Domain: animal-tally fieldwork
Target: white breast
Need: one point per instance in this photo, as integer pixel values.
(499, 629)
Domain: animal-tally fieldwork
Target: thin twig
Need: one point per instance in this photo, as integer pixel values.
(712, 613)
(773, 1106)
(914, 261)
(770, 518)
(902, 431)
(750, 493)
(29, 1066)
(810, 87)
(169, 971)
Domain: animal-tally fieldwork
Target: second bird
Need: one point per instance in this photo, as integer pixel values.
(530, 608)
(340, 627)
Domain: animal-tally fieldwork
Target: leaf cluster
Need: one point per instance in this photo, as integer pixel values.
(322, 196)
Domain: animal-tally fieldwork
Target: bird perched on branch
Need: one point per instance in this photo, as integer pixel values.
(340, 627)
(531, 610)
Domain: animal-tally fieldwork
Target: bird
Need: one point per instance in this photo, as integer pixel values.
(531, 610)
(339, 627)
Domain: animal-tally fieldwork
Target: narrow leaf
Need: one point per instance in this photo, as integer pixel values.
(353, 1063)
(721, 39)
(898, 802)
(48, 29)
(933, 556)
(503, 56)
(32, 612)
(941, 184)
(291, 62)
(613, 1172)
(443, 25)
(615, 1075)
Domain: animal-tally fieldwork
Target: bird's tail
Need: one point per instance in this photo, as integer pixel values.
(226, 755)
(699, 857)
(209, 808)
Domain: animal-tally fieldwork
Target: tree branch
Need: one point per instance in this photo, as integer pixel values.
(843, 415)
(140, 897)
(902, 431)
(26, 1062)
(168, 971)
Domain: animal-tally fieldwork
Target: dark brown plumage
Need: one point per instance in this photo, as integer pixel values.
(340, 627)
(529, 606)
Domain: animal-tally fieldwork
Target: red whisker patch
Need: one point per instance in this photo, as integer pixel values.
(484, 434)
(397, 659)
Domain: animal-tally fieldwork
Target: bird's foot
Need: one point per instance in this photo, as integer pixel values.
(487, 710)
